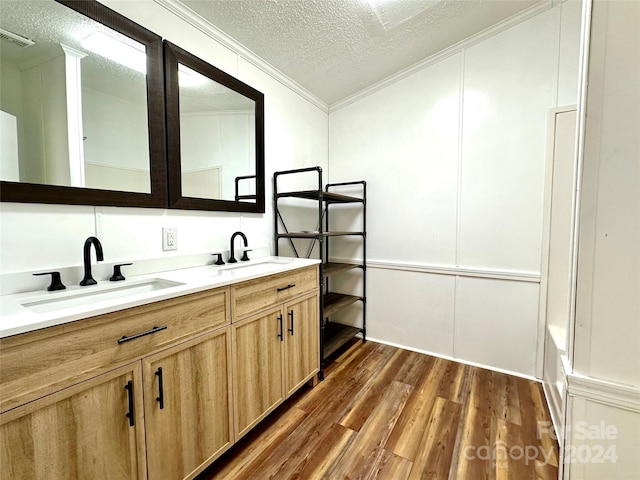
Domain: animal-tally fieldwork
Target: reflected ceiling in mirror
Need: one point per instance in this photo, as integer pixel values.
(79, 112)
(215, 137)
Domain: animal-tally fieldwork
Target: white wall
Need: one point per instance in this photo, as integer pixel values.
(11, 96)
(570, 34)
(560, 182)
(9, 169)
(223, 139)
(42, 237)
(557, 256)
(604, 377)
(609, 262)
(454, 157)
(107, 142)
(115, 158)
(45, 154)
(603, 441)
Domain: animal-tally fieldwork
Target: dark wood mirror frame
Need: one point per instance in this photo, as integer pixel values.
(172, 56)
(38, 193)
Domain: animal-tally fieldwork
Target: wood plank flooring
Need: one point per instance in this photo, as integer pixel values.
(387, 413)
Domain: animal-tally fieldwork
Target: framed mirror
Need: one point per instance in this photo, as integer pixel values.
(215, 137)
(82, 106)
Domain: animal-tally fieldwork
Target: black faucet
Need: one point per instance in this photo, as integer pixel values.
(88, 279)
(245, 257)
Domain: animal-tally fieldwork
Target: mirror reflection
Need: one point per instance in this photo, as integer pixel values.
(215, 136)
(217, 139)
(73, 100)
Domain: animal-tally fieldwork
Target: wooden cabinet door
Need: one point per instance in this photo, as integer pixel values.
(187, 400)
(257, 365)
(302, 345)
(84, 431)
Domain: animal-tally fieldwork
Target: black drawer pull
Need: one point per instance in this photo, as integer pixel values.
(291, 285)
(281, 334)
(131, 413)
(138, 335)
(291, 317)
(160, 397)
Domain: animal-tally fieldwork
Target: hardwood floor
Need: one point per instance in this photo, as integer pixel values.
(387, 413)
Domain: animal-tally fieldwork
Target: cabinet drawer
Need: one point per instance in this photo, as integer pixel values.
(256, 295)
(43, 361)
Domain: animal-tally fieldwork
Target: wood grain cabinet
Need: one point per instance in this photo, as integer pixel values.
(275, 353)
(187, 406)
(150, 392)
(258, 360)
(86, 393)
(37, 363)
(94, 429)
(301, 342)
(277, 350)
(88, 428)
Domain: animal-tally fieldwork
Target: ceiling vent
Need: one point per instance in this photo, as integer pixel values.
(15, 38)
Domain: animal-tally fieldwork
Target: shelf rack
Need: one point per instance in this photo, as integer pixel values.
(244, 197)
(333, 335)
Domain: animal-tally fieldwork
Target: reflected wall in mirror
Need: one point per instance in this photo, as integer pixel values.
(82, 106)
(215, 128)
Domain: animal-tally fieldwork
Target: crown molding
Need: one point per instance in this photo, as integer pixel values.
(197, 21)
(200, 23)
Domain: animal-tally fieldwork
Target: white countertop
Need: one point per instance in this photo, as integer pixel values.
(77, 302)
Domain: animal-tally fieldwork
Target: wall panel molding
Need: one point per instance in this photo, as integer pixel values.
(602, 391)
(458, 271)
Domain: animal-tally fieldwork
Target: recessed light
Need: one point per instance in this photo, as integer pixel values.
(392, 13)
(115, 49)
(188, 77)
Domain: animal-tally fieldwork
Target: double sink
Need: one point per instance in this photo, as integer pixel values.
(109, 291)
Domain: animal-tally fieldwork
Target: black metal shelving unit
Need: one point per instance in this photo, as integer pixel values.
(246, 197)
(333, 335)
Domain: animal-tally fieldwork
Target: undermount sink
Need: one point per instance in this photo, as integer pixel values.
(89, 295)
(254, 266)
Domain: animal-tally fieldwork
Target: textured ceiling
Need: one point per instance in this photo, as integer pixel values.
(50, 24)
(336, 48)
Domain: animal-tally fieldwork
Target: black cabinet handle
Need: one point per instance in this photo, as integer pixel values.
(131, 413)
(290, 329)
(291, 285)
(138, 335)
(160, 397)
(281, 334)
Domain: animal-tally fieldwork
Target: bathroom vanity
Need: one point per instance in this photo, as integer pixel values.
(155, 384)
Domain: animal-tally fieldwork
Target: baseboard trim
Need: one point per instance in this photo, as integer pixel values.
(453, 359)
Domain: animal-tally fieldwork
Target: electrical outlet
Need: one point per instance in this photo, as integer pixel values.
(169, 238)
